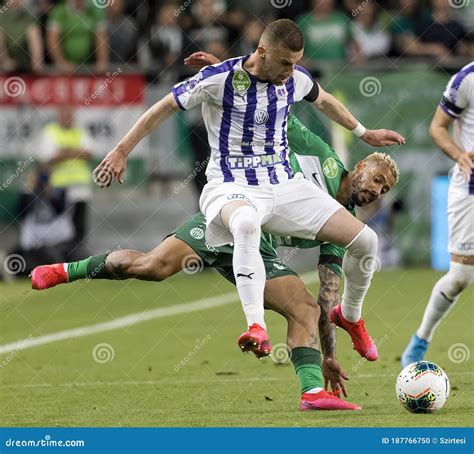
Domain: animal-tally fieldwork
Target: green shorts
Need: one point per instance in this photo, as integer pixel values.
(220, 258)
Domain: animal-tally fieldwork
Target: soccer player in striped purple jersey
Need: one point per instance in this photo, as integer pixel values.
(456, 108)
(245, 103)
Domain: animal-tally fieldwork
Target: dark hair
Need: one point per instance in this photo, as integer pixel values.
(286, 33)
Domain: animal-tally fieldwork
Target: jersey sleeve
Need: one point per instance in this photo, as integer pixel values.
(192, 92)
(331, 256)
(457, 93)
(304, 142)
(306, 87)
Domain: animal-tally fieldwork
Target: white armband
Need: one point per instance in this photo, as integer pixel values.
(359, 130)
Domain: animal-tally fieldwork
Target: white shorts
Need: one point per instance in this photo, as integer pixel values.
(460, 221)
(295, 207)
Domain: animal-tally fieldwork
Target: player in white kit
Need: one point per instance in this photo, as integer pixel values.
(245, 103)
(457, 108)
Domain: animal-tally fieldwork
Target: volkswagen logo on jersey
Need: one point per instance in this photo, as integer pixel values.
(260, 117)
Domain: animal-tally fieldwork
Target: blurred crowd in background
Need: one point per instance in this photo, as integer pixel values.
(54, 198)
(150, 35)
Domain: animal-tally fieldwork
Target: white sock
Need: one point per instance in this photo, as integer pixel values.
(314, 391)
(358, 267)
(444, 296)
(249, 269)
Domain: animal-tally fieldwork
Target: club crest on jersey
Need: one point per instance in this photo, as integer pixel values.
(260, 117)
(252, 162)
(197, 233)
(330, 168)
(241, 82)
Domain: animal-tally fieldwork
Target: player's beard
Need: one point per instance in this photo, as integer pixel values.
(361, 196)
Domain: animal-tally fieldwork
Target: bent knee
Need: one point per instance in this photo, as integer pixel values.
(365, 242)
(245, 221)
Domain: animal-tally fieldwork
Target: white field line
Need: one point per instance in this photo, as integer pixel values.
(167, 381)
(129, 320)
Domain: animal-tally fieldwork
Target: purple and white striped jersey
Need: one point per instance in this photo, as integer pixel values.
(458, 103)
(246, 120)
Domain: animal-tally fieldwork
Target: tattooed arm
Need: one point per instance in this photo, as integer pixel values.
(327, 299)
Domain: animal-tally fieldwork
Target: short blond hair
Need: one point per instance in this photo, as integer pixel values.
(384, 158)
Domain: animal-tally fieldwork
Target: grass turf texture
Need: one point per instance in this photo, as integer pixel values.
(145, 385)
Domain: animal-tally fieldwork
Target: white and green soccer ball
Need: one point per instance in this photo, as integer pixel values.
(422, 387)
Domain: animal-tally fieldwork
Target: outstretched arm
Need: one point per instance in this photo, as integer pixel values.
(338, 112)
(112, 167)
(328, 105)
(327, 299)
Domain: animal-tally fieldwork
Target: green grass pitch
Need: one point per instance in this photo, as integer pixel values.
(186, 369)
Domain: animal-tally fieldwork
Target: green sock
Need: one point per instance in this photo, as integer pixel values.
(307, 364)
(89, 268)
